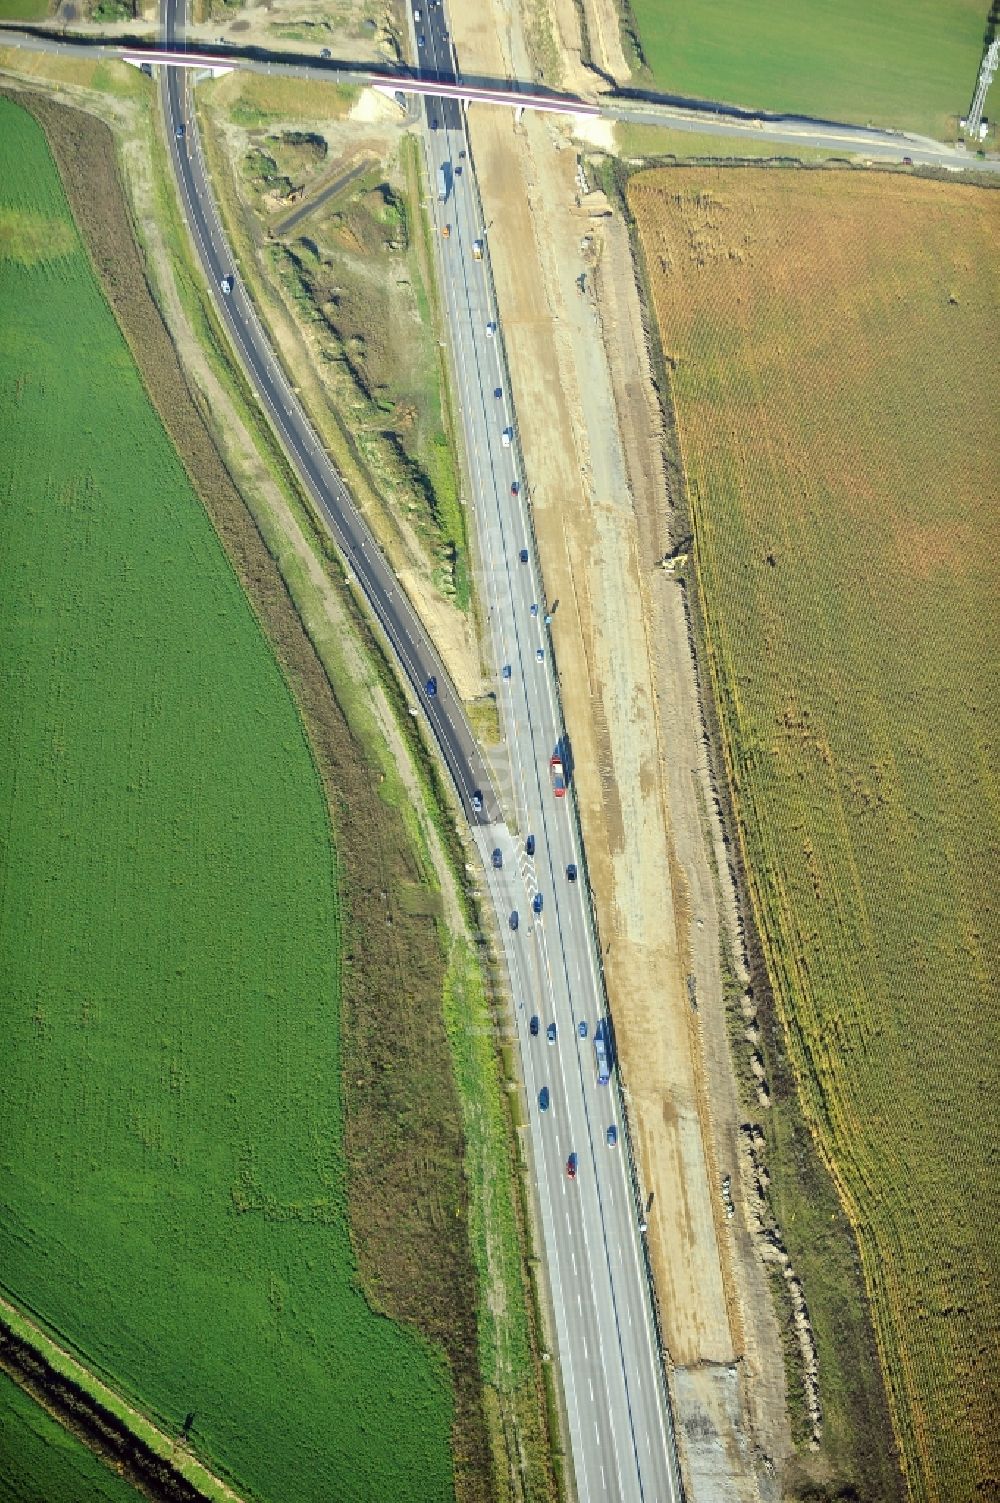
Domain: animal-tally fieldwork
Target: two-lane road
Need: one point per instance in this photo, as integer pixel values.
(364, 559)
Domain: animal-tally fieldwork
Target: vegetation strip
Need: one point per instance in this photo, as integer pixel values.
(156, 1462)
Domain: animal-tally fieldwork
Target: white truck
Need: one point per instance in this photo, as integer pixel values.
(444, 182)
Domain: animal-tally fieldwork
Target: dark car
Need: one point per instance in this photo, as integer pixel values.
(434, 122)
(514, 488)
(524, 555)
(325, 52)
(506, 670)
(497, 859)
(571, 1164)
(536, 902)
(571, 872)
(529, 846)
(543, 1099)
(514, 920)
(431, 686)
(550, 1033)
(581, 1028)
(533, 1026)
(612, 1135)
(907, 161)
(179, 131)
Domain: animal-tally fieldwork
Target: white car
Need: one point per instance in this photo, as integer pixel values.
(491, 329)
(539, 655)
(227, 285)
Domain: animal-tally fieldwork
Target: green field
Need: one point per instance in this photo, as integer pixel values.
(173, 1195)
(41, 1463)
(23, 10)
(911, 64)
(831, 337)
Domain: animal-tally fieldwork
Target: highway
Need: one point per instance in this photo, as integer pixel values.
(619, 1420)
(363, 557)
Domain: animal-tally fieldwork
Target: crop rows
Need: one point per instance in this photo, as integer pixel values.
(171, 1152)
(832, 340)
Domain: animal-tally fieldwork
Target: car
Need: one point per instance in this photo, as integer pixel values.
(581, 1028)
(571, 872)
(571, 1165)
(907, 161)
(612, 1136)
(515, 488)
(179, 131)
(446, 232)
(543, 1099)
(325, 52)
(477, 801)
(533, 1026)
(539, 654)
(421, 40)
(491, 329)
(458, 170)
(431, 686)
(514, 920)
(529, 846)
(498, 392)
(534, 607)
(506, 436)
(497, 859)
(523, 555)
(227, 285)
(536, 903)
(462, 153)
(506, 670)
(550, 1033)
(434, 122)
(416, 16)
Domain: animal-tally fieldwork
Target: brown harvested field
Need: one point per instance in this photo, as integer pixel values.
(832, 344)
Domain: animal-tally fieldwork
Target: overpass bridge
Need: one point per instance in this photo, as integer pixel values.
(218, 63)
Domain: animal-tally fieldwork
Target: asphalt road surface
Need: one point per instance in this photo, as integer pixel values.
(701, 116)
(361, 553)
(619, 1420)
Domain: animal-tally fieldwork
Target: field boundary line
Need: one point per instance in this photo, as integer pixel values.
(63, 1362)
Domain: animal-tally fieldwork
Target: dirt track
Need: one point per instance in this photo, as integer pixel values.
(591, 431)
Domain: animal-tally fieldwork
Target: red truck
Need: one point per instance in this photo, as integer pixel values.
(558, 776)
